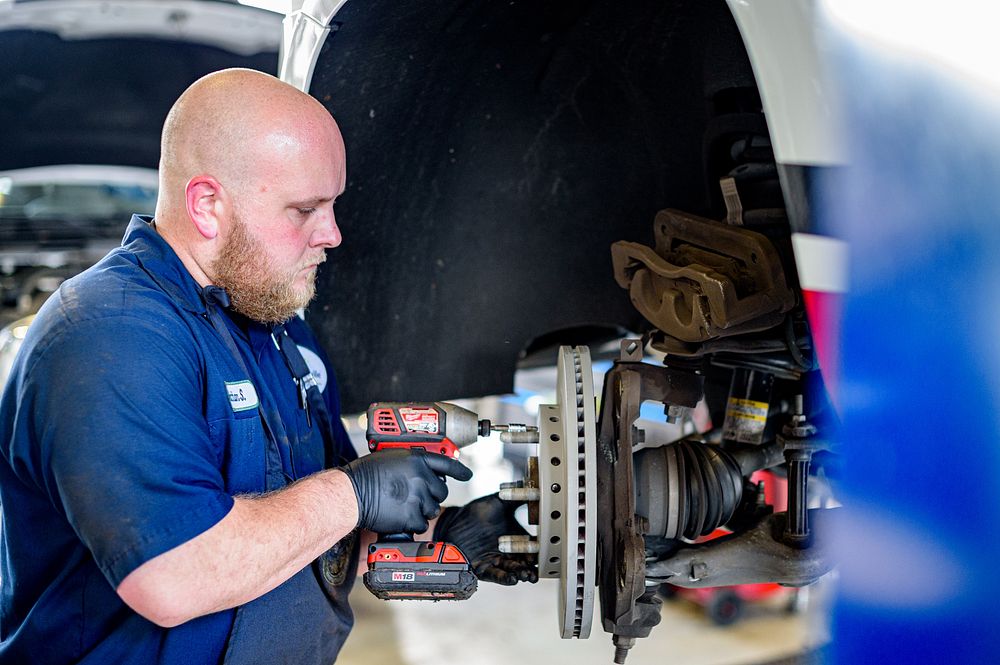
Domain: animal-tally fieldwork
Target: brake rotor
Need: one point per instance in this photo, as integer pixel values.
(567, 510)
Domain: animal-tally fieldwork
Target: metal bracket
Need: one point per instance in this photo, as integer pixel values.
(753, 556)
(625, 609)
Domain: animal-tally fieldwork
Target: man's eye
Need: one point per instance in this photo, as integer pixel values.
(305, 212)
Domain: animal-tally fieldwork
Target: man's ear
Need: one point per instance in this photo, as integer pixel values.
(203, 196)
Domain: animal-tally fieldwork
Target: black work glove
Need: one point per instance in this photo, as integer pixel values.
(475, 528)
(400, 490)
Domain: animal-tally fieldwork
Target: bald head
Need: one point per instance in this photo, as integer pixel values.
(237, 125)
(249, 171)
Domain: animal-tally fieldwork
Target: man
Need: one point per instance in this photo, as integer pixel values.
(168, 420)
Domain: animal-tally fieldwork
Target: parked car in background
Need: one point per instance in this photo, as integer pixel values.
(83, 93)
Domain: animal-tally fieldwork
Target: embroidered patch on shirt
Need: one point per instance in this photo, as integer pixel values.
(242, 395)
(316, 366)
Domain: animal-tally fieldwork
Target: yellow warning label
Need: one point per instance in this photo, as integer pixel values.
(747, 410)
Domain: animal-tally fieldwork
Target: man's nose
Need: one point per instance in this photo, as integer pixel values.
(327, 233)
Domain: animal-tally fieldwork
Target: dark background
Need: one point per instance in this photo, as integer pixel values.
(495, 151)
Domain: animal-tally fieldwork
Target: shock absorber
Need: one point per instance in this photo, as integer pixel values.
(798, 439)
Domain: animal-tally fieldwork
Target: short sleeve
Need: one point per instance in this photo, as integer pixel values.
(121, 446)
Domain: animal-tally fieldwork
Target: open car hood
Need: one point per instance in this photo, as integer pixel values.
(91, 82)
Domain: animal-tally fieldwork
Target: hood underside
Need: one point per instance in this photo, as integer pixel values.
(97, 101)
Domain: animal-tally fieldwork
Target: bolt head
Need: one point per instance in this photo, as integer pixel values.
(699, 569)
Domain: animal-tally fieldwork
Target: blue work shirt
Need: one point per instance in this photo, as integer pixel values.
(128, 426)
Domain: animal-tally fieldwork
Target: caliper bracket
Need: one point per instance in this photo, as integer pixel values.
(626, 609)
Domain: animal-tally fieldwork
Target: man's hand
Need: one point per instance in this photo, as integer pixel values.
(400, 490)
(475, 528)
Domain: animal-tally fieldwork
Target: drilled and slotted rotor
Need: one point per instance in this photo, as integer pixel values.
(567, 482)
(560, 487)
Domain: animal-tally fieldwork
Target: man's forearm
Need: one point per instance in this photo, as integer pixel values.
(262, 542)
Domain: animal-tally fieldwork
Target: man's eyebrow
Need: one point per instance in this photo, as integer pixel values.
(311, 203)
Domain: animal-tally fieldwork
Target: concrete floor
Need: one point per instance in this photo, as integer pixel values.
(500, 625)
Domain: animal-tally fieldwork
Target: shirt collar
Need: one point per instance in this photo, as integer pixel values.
(161, 262)
(164, 267)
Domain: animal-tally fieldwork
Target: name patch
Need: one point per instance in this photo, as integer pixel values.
(242, 395)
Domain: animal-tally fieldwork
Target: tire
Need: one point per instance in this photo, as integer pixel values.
(725, 608)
